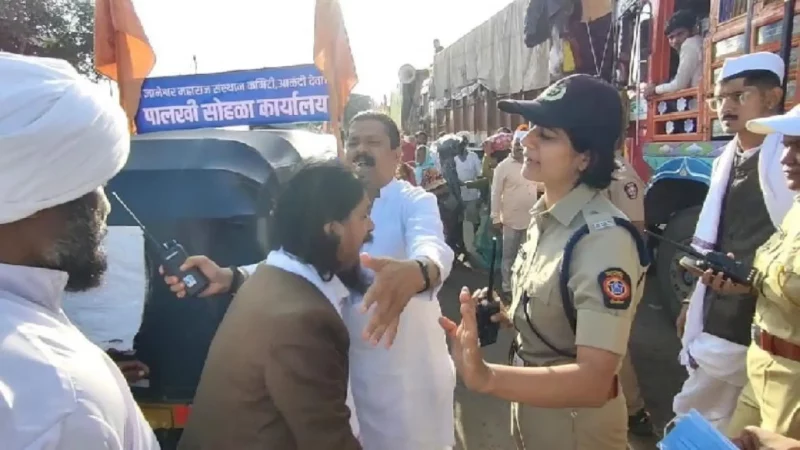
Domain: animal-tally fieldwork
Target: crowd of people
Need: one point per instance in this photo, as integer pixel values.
(337, 341)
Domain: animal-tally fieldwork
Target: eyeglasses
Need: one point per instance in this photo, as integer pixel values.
(739, 98)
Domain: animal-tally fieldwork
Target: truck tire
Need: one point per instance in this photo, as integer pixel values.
(674, 282)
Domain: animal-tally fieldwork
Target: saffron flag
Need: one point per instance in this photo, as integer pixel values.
(333, 58)
(122, 51)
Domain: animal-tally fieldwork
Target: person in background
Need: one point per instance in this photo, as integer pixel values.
(448, 149)
(496, 148)
(563, 381)
(512, 199)
(264, 385)
(469, 170)
(746, 202)
(771, 397)
(422, 138)
(682, 34)
(405, 172)
(61, 140)
(408, 149)
(503, 130)
(424, 161)
(626, 192)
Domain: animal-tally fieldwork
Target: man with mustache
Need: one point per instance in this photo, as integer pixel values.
(276, 375)
(61, 140)
(746, 201)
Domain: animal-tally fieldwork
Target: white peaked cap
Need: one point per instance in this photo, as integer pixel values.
(787, 124)
(60, 136)
(752, 61)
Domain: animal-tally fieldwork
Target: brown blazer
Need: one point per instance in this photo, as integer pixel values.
(276, 373)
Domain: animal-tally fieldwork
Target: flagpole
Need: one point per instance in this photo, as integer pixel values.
(194, 63)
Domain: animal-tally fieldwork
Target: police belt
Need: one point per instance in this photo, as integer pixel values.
(774, 345)
(514, 351)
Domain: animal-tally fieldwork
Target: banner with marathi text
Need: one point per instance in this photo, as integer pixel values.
(247, 97)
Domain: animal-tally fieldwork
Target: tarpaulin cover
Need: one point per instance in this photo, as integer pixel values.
(111, 314)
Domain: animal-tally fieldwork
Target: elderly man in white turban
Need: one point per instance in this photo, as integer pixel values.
(61, 140)
(746, 202)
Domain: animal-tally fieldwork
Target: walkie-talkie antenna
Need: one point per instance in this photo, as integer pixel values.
(149, 236)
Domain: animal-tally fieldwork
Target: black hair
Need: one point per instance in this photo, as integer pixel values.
(319, 193)
(762, 79)
(683, 18)
(602, 159)
(422, 133)
(388, 124)
(503, 130)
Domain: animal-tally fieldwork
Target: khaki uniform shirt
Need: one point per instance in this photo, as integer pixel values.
(626, 191)
(778, 305)
(605, 279)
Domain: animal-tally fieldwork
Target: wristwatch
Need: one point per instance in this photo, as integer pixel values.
(238, 279)
(423, 267)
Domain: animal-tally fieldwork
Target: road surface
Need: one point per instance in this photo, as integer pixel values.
(482, 422)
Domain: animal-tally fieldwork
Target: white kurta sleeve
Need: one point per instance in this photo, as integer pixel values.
(424, 234)
(690, 60)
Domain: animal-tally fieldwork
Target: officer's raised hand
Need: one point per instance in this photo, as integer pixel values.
(465, 348)
(753, 438)
(219, 278)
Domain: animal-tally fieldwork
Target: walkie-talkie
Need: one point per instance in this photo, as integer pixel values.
(736, 271)
(173, 256)
(486, 308)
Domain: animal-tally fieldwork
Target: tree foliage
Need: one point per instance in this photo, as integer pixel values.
(53, 28)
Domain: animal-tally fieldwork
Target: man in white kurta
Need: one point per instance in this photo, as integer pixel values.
(61, 140)
(717, 325)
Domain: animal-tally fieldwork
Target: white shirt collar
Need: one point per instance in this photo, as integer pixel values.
(334, 289)
(43, 287)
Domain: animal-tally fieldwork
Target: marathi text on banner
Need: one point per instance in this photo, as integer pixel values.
(282, 95)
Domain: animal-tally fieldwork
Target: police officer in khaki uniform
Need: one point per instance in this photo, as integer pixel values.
(771, 399)
(626, 192)
(563, 384)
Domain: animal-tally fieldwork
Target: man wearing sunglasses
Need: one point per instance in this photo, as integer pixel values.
(746, 201)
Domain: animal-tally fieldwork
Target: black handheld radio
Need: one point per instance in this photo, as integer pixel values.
(173, 255)
(486, 308)
(736, 271)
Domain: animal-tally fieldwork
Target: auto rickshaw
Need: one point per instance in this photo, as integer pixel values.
(211, 190)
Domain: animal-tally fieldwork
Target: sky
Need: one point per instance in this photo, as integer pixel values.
(247, 34)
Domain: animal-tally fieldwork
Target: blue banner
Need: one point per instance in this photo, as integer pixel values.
(248, 97)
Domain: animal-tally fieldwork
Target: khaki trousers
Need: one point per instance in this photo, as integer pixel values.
(771, 398)
(604, 428)
(630, 385)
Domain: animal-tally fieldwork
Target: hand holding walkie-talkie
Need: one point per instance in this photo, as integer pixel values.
(718, 262)
(173, 256)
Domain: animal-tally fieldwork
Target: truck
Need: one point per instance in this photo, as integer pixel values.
(671, 140)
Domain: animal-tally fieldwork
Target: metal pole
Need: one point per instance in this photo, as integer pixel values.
(194, 62)
(787, 25)
(748, 26)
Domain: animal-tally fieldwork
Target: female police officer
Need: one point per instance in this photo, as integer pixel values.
(576, 281)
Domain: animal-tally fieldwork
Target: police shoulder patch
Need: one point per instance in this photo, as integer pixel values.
(615, 285)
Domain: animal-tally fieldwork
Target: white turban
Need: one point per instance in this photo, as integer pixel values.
(60, 137)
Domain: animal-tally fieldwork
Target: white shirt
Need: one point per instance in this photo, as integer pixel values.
(404, 395)
(469, 169)
(58, 391)
(513, 196)
(690, 67)
(333, 290)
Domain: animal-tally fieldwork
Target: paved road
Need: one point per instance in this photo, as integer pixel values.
(483, 422)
